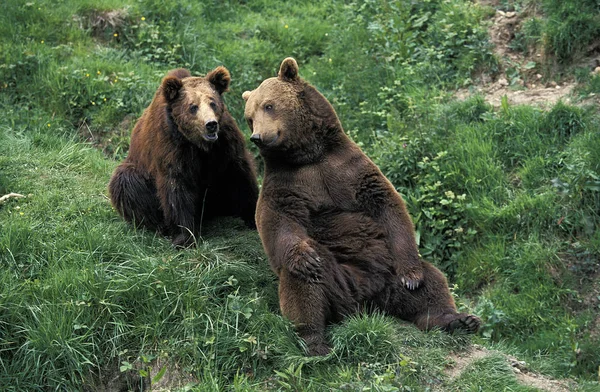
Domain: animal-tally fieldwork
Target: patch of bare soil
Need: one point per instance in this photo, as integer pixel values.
(460, 361)
(518, 80)
(161, 375)
(103, 23)
(173, 377)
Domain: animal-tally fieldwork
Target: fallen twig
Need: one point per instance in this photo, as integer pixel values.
(6, 197)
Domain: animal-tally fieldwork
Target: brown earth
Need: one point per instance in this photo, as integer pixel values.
(461, 361)
(526, 86)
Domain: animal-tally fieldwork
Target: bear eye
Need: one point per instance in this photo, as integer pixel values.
(213, 105)
(268, 107)
(193, 109)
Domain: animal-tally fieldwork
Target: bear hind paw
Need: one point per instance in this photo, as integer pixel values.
(467, 323)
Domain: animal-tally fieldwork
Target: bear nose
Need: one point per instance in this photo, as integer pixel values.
(212, 126)
(255, 138)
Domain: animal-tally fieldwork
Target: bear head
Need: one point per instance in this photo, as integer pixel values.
(195, 105)
(289, 119)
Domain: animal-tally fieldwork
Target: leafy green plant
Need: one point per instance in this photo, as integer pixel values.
(153, 42)
(439, 213)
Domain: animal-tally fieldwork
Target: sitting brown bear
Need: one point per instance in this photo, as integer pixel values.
(335, 230)
(187, 161)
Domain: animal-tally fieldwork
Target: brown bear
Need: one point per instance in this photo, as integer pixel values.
(187, 160)
(334, 228)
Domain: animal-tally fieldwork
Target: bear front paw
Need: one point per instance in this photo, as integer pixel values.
(183, 240)
(411, 280)
(318, 349)
(305, 263)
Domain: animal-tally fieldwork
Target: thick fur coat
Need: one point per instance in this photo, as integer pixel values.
(335, 230)
(187, 160)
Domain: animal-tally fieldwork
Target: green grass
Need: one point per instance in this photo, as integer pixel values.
(506, 201)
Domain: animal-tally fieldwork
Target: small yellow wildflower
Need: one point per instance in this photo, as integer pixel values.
(330, 60)
(21, 213)
(42, 41)
(98, 73)
(87, 75)
(104, 99)
(286, 26)
(93, 103)
(48, 124)
(143, 18)
(116, 34)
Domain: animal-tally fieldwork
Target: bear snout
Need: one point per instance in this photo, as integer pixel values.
(212, 127)
(256, 138)
(265, 139)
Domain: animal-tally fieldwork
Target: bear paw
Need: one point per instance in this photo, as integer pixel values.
(412, 280)
(468, 324)
(318, 349)
(183, 240)
(305, 263)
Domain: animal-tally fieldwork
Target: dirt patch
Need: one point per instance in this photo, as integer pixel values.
(536, 96)
(113, 142)
(544, 383)
(518, 80)
(173, 377)
(157, 375)
(103, 24)
(460, 361)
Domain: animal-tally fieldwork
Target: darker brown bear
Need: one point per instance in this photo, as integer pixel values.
(187, 161)
(335, 230)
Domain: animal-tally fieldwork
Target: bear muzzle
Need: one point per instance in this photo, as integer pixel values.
(212, 127)
(264, 141)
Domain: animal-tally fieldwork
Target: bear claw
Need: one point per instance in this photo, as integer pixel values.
(411, 284)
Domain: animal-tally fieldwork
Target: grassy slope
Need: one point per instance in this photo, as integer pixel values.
(82, 293)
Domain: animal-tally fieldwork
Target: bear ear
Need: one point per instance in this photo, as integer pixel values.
(246, 95)
(220, 78)
(288, 70)
(171, 86)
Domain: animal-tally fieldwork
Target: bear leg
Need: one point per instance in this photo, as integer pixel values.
(431, 305)
(305, 305)
(178, 199)
(133, 195)
(448, 320)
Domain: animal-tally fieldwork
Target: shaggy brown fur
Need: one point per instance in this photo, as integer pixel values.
(335, 230)
(187, 161)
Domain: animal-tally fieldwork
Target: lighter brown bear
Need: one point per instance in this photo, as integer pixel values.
(187, 160)
(335, 230)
